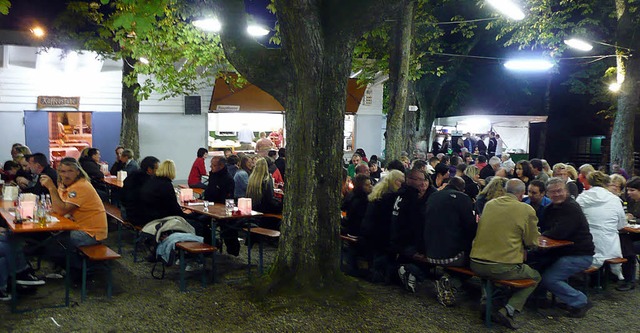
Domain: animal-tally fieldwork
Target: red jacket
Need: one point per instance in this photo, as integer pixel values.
(197, 170)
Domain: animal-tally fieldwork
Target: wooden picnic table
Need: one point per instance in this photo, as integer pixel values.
(113, 181)
(59, 224)
(545, 242)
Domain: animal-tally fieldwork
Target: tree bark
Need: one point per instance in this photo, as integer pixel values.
(129, 133)
(399, 79)
(308, 75)
(622, 136)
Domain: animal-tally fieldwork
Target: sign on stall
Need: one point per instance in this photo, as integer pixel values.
(57, 102)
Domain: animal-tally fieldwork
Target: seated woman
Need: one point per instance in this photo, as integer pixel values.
(91, 166)
(10, 171)
(260, 190)
(524, 173)
(355, 204)
(198, 170)
(241, 178)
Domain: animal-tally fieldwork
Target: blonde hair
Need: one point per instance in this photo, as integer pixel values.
(618, 180)
(386, 185)
(166, 169)
(586, 169)
(471, 171)
(598, 178)
(258, 176)
(571, 171)
(495, 188)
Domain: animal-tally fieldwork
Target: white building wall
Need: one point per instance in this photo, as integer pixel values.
(165, 131)
(369, 122)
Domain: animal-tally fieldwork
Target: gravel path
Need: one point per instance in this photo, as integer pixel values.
(143, 304)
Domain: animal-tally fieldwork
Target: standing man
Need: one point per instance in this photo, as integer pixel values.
(448, 236)
(564, 220)
(493, 144)
(537, 197)
(221, 184)
(506, 227)
(39, 166)
(129, 164)
(281, 161)
(263, 145)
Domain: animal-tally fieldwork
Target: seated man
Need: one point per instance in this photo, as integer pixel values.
(129, 164)
(77, 198)
(25, 275)
(39, 165)
(564, 220)
(505, 228)
(132, 207)
(537, 197)
(448, 237)
(221, 184)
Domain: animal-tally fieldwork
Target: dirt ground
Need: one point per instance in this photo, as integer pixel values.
(141, 303)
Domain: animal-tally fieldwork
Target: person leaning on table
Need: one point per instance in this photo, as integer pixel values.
(75, 198)
(506, 227)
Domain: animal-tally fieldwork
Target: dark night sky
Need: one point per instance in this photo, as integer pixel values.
(24, 14)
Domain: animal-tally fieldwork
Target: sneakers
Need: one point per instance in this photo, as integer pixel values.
(408, 279)
(27, 278)
(503, 318)
(580, 312)
(446, 294)
(191, 267)
(4, 296)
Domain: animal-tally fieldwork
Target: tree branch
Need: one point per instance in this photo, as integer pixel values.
(268, 69)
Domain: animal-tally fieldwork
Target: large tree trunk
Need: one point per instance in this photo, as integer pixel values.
(399, 80)
(622, 136)
(129, 134)
(308, 75)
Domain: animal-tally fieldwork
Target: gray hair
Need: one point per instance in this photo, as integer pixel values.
(556, 181)
(515, 186)
(494, 161)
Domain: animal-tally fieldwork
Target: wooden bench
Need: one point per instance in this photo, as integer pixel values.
(200, 249)
(487, 285)
(97, 253)
(261, 232)
(602, 280)
(114, 212)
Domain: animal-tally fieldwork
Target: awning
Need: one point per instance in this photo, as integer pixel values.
(250, 98)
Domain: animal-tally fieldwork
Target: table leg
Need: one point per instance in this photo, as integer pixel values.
(12, 274)
(67, 276)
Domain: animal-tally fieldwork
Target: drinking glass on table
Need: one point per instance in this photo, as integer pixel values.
(228, 206)
(206, 205)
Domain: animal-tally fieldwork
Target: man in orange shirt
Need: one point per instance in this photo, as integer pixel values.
(76, 198)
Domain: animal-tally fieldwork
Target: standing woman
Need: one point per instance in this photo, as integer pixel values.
(198, 170)
(524, 173)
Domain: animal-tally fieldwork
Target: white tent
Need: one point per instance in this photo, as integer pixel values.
(514, 130)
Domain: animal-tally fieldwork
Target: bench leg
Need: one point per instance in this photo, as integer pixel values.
(260, 252)
(109, 281)
(488, 288)
(119, 237)
(183, 266)
(204, 270)
(84, 279)
(249, 251)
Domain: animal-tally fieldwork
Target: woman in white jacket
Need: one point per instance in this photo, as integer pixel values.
(606, 216)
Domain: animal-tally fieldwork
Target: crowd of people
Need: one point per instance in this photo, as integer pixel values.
(77, 190)
(486, 212)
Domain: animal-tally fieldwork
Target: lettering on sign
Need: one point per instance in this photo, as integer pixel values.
(228, 108)
(58, 102)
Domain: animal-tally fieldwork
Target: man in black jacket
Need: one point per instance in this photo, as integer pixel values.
(406, 225)
(132, 207)
(564, 220)
(449, 229)
(39, 165)
(221, 184)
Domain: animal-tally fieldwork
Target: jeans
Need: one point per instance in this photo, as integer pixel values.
(555, 278)
(72, 240)
(5, 257)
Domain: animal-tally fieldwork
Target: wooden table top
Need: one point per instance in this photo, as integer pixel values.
(545, 242)
(27, 227)
(216, 211)
(113, 180)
